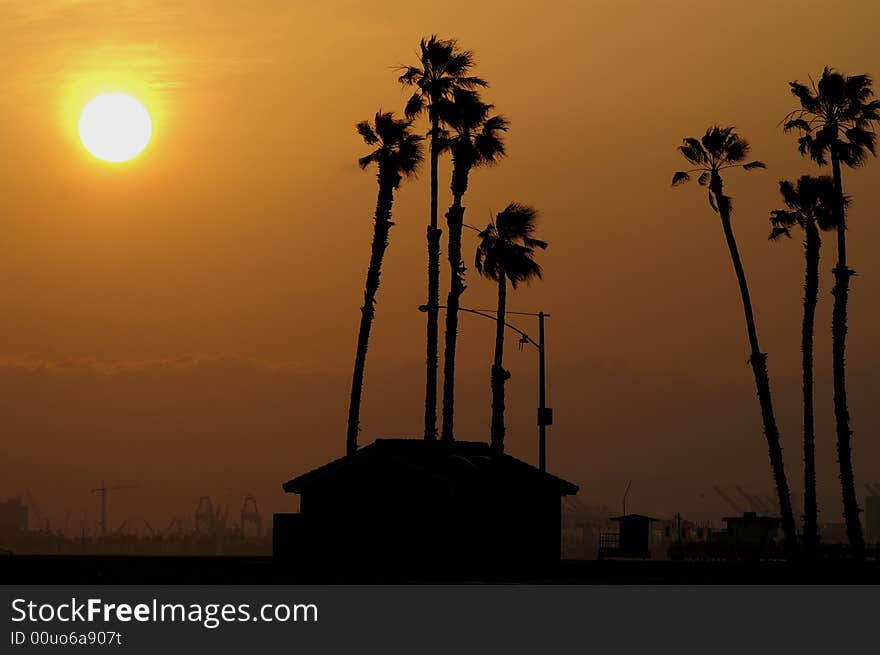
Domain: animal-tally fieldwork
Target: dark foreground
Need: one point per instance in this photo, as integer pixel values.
(61, 569)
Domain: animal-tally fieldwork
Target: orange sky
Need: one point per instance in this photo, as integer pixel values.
(187, 321)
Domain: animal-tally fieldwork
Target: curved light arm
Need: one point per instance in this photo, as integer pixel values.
(526, 337)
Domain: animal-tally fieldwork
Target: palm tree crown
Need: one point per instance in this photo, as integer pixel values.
(473, 135)
(810, 200)
(443, 68)
(507, 247)
(398, 151)
(719, 149)
(836, 114)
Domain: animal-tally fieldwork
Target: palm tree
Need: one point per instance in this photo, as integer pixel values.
(506, 252)
(397, 154)
(810, 205)
(721, 149)
(474, 139)
(836, 121)
(443, 67)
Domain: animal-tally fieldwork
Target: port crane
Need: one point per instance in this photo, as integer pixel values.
(250, 515)
(104, 490)
(727, 499)
(755, 501)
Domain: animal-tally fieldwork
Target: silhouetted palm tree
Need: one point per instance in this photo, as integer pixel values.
(474, 139)
(836, 121)
(506, 252)
(443, 67)
(397, 154)
(723, 149)
(810, 205)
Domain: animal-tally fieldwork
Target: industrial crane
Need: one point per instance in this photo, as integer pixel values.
(209, 520)
(727, 499)
(32, 506)
(251, 515)
(756, 503)
(104, 490)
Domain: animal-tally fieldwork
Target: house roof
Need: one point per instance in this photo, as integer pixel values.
(633, 517)
(436, 459)
(751, 517)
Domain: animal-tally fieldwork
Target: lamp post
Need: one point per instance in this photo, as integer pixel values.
(545, 414)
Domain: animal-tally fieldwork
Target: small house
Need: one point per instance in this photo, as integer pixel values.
(411, 504)
(632, 538)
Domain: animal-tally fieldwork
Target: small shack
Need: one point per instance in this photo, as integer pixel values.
(411, 504)
(751, 530)
(632, 538)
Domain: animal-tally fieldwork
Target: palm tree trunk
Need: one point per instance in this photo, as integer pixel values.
(454, 219)
(433, 295)
(812, 247)
(498, 374)
(381, 228)
(758, 361)
(842, 274)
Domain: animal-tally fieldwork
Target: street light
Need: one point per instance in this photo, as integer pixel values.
(545, 414)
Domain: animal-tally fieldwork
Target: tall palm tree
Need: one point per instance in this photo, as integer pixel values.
(810, 204)
(836, 120)
(721, 149)
(474, 138)
(443, 67)
(397, 154)
(506, 252)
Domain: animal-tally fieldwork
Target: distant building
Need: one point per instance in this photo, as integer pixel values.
(403, 504)
(750, 531)
(582, 527)
(632, 538)
(833, 533)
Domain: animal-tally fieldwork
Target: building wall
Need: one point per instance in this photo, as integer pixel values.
(872, 518)
(427, 524)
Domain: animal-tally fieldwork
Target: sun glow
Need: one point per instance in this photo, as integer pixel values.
(114, 127)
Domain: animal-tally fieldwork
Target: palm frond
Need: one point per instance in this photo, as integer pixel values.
(693, 151)
(805, 95)
(680, 177)
(797, 124)
(367, 133)
(414, 106)
(778, 232)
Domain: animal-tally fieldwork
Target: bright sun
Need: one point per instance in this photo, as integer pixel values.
(114, 127)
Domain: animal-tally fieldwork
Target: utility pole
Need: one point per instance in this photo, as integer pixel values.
(545, 414)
